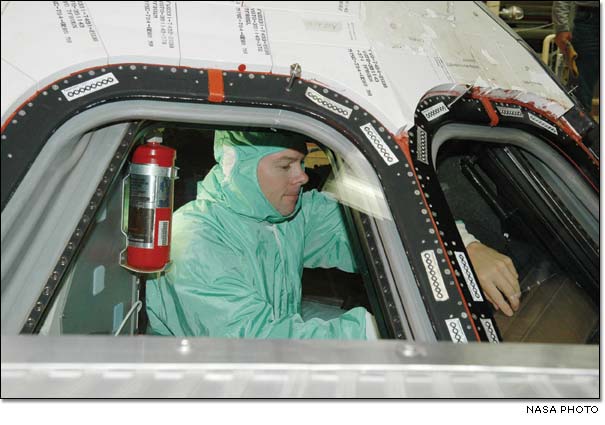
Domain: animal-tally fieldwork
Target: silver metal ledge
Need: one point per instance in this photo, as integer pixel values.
(169, 367)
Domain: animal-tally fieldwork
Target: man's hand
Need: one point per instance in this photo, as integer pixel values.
(561, 39)
(497, 276)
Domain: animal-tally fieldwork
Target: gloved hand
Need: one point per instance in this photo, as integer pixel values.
(497, 276)
(371, 327)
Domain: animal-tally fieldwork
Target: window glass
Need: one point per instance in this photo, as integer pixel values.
(513, 202)
(329, 174)
(97, 293)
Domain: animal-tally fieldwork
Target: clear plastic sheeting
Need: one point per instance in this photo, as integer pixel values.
(358, 192)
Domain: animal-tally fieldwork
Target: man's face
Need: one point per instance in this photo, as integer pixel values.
(280, 176)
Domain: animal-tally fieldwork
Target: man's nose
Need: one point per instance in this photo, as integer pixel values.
(301, 178)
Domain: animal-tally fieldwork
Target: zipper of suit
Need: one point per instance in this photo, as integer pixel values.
(284, 278)
(279, 247)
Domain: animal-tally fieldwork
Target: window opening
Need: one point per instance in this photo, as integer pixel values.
(95, 270)
(509, 201)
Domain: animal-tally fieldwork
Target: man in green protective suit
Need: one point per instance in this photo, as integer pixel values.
(239, 249)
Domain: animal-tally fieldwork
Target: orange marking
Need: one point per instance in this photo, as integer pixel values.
(489, 108)
(403, 141)
(561, 123)
(216, 86)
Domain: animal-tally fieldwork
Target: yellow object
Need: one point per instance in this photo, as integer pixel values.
(571, 60)
(316, 157)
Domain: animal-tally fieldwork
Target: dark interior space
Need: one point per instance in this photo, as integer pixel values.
(555, 307)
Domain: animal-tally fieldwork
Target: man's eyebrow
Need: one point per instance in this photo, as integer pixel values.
(290, 158)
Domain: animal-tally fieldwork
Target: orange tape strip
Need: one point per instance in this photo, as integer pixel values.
(216, 86)
(494, 119)
(491, 112)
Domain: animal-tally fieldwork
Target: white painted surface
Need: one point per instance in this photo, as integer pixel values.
(15, 88)
(49, 42)
(134, 31)
(383, 56)
(223, 36)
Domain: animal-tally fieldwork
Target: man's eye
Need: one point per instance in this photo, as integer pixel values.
(285, 167)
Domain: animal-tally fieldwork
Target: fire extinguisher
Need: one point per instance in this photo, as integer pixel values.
(150, 200)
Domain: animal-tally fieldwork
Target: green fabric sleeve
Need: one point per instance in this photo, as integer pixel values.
(327, 242)
(221, 301)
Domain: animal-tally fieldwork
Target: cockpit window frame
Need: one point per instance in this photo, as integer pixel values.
(214, 115)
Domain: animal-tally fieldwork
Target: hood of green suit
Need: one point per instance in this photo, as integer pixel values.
(233, 182)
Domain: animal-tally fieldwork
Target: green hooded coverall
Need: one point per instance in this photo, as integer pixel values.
(237, 262)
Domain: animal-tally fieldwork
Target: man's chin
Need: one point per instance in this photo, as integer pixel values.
(287, 212)
(289, 208)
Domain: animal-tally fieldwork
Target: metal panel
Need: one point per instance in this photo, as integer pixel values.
(175, 367)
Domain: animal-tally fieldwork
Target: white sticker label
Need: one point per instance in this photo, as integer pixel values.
(381, 147)
(471, 283)
(456, 331)
(328, 104)
(163, 231)
(429, 259)
(421, 152)
(252, 28)
(98, 280)
(542, 123)
(87, 87)
(435, 111)
(506, 111)
(490, 331)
